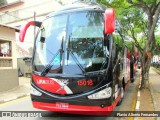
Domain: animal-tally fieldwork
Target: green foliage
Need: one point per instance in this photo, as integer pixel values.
(118, 40)
(2, 2)
(139, 19)
(134, 21)
(129, 45)
(157, 50)
(158, 40)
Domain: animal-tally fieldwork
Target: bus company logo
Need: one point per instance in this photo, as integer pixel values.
(41, 81)
(64, 81)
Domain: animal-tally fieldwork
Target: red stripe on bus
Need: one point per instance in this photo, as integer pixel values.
(48, 84)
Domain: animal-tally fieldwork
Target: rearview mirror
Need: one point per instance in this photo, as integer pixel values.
(23, 30)
(109, 24)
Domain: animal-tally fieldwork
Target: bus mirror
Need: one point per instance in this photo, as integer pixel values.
(25, 27)
(109, 18)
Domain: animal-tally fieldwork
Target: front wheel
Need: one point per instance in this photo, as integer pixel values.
(122, 96)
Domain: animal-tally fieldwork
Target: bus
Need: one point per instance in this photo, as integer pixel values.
(77, 67)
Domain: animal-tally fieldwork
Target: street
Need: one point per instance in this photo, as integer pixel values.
(24, 104)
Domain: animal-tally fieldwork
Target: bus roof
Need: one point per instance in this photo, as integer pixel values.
(79, 6)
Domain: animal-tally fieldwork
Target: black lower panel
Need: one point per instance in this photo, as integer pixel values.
(81, 101)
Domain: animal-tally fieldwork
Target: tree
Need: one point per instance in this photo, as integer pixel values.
(152, 10)
(2, 2)
(141, 16)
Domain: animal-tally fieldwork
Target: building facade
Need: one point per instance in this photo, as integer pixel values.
(8, 60)
(19, 12)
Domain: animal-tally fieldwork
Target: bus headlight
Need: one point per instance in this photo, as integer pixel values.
(105, 93)
(35, 92)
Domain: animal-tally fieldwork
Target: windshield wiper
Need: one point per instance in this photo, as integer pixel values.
(76, 60)
(96, 73)
(74, 57)
(49, 66)
(68, 49)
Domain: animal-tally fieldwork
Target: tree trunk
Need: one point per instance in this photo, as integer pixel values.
(146, 62)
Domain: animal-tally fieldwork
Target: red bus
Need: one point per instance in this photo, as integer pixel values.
(77, 67)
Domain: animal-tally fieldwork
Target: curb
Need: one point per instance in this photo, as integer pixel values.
(138, 96)
(14, 98)
(135, 96)
(137, 106)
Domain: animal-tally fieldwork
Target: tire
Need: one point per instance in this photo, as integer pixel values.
(122, 96)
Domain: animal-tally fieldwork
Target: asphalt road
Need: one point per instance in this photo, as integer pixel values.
(24, 104)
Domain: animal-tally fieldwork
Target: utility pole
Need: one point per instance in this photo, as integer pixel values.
(34, 26)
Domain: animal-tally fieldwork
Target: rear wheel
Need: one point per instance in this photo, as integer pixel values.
(122, 96)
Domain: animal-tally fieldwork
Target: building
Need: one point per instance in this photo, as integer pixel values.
(8, 60)
(19, 12)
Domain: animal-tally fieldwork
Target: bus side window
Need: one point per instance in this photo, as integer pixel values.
(116, 60)
(114, 53)
(106, 44)
(122, 58)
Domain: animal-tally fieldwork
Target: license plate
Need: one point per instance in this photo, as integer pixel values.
(62, 105)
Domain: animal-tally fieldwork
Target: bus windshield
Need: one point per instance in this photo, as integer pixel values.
(75, 41)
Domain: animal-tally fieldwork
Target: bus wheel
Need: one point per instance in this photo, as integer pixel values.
(132, 80)
(122, 96)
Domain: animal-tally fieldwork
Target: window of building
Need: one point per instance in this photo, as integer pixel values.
(5, 48)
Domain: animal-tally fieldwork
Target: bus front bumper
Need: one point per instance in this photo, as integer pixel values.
(75, 109)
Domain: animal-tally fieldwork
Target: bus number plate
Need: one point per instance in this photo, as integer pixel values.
(85, 83)
(62, 105)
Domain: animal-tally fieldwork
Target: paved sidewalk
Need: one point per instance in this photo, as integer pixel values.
(155, 85)
(20, 91)
(150, 98)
